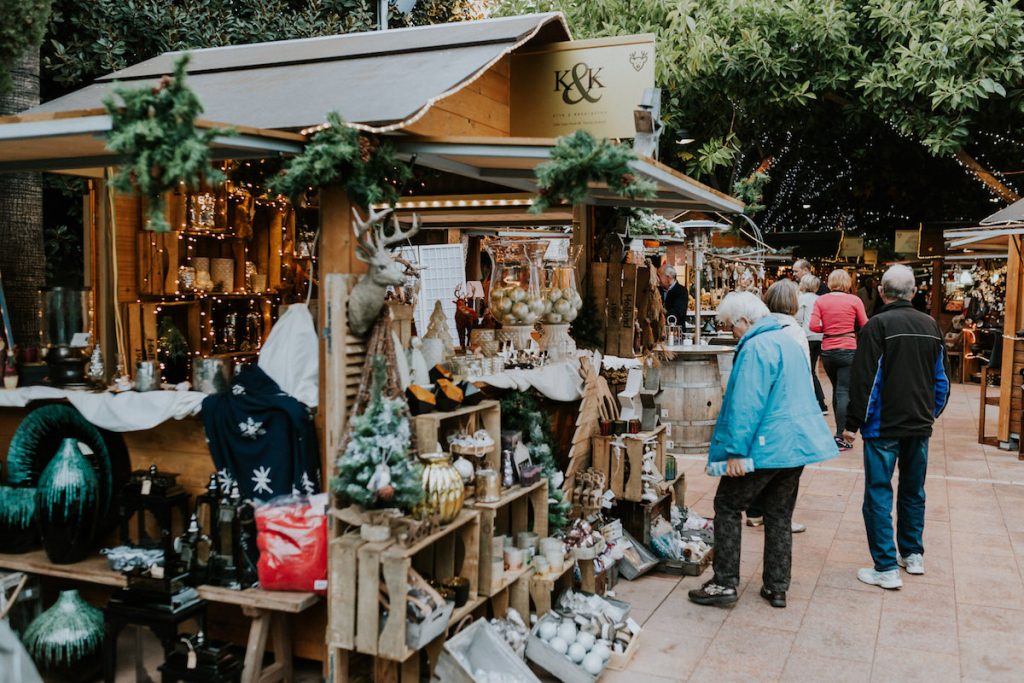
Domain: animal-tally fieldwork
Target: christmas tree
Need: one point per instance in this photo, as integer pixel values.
(438, 328)
(376, 469)
(520, 412)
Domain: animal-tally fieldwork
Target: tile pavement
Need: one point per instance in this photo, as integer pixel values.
(962, 621)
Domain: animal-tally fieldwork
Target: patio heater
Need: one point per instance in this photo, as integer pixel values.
(698, 234)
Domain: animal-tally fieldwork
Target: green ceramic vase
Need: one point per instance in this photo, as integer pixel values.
(67, 639)
(18, 530)
(68, 505)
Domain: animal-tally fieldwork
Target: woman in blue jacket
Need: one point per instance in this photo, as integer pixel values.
(770, 426)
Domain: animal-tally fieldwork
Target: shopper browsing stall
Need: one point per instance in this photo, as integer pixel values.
(838, 315)
(768, 429)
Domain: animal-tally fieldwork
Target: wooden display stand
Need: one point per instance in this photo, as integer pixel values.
(543, 589)
(510, 516)
(357, 568)
(624, 471)
(432, 429)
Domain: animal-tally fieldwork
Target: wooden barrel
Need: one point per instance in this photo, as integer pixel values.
(691, 397)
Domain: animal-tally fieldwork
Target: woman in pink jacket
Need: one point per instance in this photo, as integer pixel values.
(838, 315)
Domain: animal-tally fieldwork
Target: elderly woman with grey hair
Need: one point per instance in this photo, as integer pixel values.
(769, 427)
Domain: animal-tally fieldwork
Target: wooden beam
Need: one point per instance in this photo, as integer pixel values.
(937, 289)
(1012, 319)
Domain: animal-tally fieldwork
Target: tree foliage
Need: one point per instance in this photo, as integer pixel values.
(21, 30)
(811, 80)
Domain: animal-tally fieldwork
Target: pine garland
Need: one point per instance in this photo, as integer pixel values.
(155, 129)
(521, 412)
(368, 168)
(380, 441)
(578, 160)
(750, 191)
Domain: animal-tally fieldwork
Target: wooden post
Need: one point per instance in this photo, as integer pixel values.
(1013, 317)
(104, 293)
(937, 289)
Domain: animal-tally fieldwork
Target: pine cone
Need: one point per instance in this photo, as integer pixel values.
(628, 179)
(165, 82)
(366, 148)
(386, 493)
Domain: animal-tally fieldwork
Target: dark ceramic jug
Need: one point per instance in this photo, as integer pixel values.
(68, 505)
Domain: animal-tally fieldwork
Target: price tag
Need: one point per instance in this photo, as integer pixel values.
(670, 444)
(192, 660)
(147, 486)
(664, 412)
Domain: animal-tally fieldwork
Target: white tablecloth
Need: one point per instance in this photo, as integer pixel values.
(129, 411)
(557, 381)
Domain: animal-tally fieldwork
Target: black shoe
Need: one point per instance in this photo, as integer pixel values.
(774, 598)
(713, 594)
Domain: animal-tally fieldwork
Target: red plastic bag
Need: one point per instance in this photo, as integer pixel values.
(292, 537)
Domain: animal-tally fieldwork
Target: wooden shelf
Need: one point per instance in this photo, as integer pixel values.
(90, 570)
(507, 496)
(472, 604)
(511, 578)
(96, 570)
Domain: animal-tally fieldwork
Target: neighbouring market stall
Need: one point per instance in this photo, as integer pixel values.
(410, 547)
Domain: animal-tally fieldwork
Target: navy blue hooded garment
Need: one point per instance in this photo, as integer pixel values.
(262, 438)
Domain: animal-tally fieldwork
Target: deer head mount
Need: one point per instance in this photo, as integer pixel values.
(372, 244)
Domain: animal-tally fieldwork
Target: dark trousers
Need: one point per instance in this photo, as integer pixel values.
(837, 363)
(734, 495)
(815, 346)
(880, 459)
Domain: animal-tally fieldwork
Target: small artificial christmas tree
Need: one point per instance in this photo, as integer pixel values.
(438, 328)
(520, 412)
(377, 470)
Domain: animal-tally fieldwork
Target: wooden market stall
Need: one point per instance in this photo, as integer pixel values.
(447, 98)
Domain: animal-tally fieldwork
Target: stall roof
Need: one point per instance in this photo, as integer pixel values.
(992, 236)
(510, 162)
(380, 79)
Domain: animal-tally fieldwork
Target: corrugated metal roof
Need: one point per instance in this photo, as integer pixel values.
(1014, 213)
(383, 79)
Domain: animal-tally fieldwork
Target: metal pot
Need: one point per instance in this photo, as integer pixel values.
(211, 375)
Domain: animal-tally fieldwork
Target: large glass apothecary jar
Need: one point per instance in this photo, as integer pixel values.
(562, 300)
(515, 294)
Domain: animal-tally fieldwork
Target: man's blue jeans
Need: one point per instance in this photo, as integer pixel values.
(880, 458)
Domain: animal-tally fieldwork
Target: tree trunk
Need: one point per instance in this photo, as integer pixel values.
(982, 174)
(22, 259)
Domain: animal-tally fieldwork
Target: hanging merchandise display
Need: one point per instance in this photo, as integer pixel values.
(263, 439)
(68, 505)
(66, 640)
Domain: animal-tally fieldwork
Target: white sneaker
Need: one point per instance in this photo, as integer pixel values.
(798, 528)
(890, 580)
(913, 563)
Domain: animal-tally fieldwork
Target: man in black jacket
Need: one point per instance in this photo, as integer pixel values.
(898, 386)
(673, 294)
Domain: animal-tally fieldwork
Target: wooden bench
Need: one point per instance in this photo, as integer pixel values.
(267, 609)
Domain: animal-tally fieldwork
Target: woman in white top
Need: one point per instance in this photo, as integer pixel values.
(782, 300)
(808, 295)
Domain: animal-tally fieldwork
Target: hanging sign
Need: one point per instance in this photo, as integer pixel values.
(591, 85)
(907, 241)
(852, 247)
(871, 256)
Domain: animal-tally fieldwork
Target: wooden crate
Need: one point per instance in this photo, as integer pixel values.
(624, 465)
(637, 517)
(514, 594)
(509, 516)
(141, 321)
(452, 551)
(432, 429)
(543, 589)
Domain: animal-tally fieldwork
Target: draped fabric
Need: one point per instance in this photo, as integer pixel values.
(262, 438)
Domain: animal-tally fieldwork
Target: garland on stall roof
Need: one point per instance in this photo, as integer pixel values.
(155, 130)
(367, 167)
(520, 412)
(580, 159)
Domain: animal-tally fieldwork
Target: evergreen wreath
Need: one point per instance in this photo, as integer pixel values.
(520, 412)
(155, 129)
(367, 167)
(377, 469)
(580, 159)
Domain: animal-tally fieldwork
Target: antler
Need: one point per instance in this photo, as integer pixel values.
(366, 241)
(398, 235)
